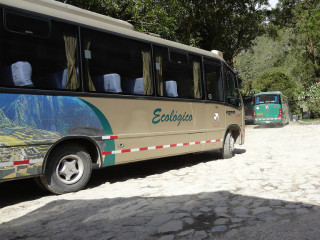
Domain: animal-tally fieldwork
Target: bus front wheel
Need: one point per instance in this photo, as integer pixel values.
(228, 146)
(68, 169)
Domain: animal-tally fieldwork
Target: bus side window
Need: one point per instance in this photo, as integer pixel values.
(233, 95)
(177, 74)
(115, 64)
(213, 78)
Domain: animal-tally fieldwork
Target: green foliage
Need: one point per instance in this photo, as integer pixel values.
(283, 15)
(314, 108)
(311, 94)
(309, 40)
(268, 55)
(226, 25)
(275, 81)
(303, 19)
(311, 98)
(278, 81)
(291, 45)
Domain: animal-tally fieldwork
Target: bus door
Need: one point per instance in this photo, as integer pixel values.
(234, 114)
(215, 109)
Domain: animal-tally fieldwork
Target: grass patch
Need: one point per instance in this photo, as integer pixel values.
(310, 120)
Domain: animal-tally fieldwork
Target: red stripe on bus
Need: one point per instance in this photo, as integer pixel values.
(21, 162)
(113, 137)
(143, 148)
(126, 150)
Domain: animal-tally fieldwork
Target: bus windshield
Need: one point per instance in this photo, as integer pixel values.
(268, 98)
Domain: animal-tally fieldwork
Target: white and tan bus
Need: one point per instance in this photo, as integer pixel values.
(79, 90)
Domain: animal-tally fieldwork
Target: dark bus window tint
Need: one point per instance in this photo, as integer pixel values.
(214, 80)
(268, 98)
(26, 25)
(179, 58)
(233, 95)
(115, 64)
(177, 80)
(43, 63)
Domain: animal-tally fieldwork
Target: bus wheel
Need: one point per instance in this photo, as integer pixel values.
(68, 169)
(228, 146)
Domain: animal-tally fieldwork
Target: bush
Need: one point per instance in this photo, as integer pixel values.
(314, 108)
(275, 80)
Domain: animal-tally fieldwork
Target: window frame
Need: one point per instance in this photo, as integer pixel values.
(168, 49)
(226, 89)
(149, 45)
(213, 62)
(26, 15)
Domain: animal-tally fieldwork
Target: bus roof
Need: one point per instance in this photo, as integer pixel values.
(88, 18)
(265, 93)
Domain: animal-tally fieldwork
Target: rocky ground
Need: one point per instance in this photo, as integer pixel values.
(268, 190)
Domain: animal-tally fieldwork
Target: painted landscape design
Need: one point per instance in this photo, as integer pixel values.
(29, 124)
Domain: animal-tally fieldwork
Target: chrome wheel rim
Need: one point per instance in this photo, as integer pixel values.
(70, 169)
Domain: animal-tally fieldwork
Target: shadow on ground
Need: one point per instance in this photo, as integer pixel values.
(26, 189)
(176, 217)
(195, 216)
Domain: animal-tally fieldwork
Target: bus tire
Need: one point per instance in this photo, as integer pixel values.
(228, 146)
(68, 169)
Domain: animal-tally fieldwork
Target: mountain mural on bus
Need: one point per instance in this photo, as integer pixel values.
(60, 114)
(29, 124)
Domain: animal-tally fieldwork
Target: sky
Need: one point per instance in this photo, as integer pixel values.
(273, 3)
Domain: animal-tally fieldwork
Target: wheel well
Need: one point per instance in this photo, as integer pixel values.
(235, 132)
(86, 143)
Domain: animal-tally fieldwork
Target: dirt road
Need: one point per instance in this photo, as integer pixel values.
(268, 190)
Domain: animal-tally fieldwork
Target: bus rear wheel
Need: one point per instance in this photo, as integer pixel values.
(68, 169)
(228, 146)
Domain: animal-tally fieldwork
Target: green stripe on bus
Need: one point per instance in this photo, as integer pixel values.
(110, 146)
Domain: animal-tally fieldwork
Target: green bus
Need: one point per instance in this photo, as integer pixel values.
(79, 90)
(270, 108)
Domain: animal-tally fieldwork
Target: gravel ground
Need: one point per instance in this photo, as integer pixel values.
(268, 190)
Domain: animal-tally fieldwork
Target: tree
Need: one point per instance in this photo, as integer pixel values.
(309, 39)
(278, 81)
(303, 18)
(226, 25)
